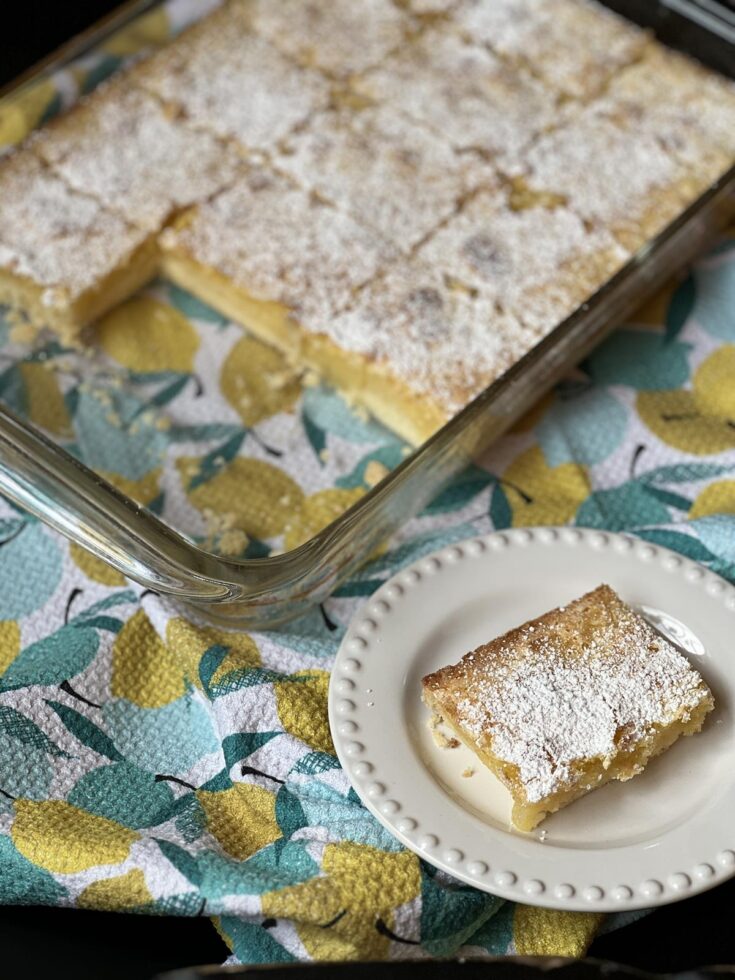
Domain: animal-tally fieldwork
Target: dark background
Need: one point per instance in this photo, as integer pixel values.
(59, 943)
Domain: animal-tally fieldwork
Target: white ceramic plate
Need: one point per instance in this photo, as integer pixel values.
(665, 835)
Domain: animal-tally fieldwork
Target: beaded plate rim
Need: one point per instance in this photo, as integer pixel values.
(391, 802)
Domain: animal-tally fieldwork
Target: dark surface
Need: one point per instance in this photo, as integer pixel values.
(62, 943)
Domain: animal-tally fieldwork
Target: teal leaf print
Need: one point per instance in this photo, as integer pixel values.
(717, 533)
(640, 359)
(167, 740)
(451, 913)
(211, 464)
(114, 436)
(86, 731)
(464, 488)
(314, 763)
(18, 726)
(251, 943)
(185, 863)
(25, 771)
(124, 793)
(684, 473)
(54, 659)
(680, 308)
(358, 587)
(329, 412)
(240, 745)
(290, 814)
(316, 436)
(622, 508)
(500, 510)
(106, 66)
(389, 456)
(23, 882)
(207, 432)
(716, 299)
(584, 427)
(673, 500)
(685, 544)
(194, 308)
(30, 571)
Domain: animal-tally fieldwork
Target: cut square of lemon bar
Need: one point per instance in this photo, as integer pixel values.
(392, 174)
(537, 262)
(230, 81)
(575, 46)
(64, 259)
(466, 94)
(567, 702)
(121, 146)
(272, 256)
(338, 36)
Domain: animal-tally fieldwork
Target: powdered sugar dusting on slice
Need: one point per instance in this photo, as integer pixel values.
(463, 92)
(122, 148)
(392, 174)
(339, 36)
(233, 82)
(281, 244)
(442, 342)
(556, 693)
(574, 46)
(605, 171)
(55, 236)
(513, 254)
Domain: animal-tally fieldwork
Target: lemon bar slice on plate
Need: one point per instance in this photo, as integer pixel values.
(567, 702)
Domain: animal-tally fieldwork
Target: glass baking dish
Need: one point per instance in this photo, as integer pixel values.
(46, 480)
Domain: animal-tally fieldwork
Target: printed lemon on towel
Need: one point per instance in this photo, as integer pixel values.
(146, 335)
(302, 708)
(242, 818)
(189, 643)
(57, 836)
(258, 497)
(541, 494)
(258, 381)
(144, 669)
(700, 421)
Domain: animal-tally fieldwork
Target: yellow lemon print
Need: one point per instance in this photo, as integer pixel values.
(258, 497)
(94, 568)
(142, 491)
(302, 708)
(241, 818)
(540, 494)
(146, 335)
(548, 932)
(144, 669)
(126, 891)
(189, 643)
(21, 113)
(60, 837)
(348, 913)
(9, 643)
(317, 512)
(257, 381)
(46, 406)
(700, 421)
(717, 498)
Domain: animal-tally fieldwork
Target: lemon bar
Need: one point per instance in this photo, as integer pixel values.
(695, 123)
(612, 171)
(538, 263)
(232, 82)
(120, 146)
(390, 173)
(560, 706)
(575, 46)
(338, 36)
(268, 254)
(426, 347)
(64, 259)
(463, 92)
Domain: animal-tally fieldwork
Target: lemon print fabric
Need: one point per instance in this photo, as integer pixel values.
(152, 763)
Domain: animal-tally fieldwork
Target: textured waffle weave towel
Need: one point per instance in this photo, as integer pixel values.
(150, 765)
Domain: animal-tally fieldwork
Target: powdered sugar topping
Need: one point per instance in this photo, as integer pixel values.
(545, 705)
